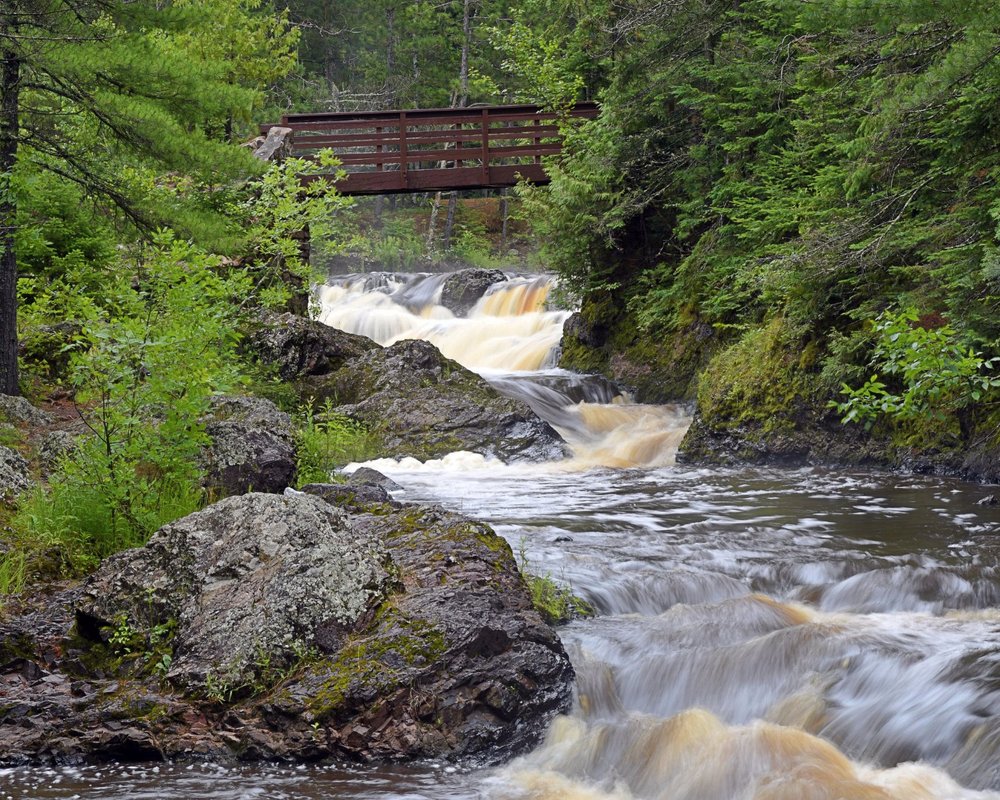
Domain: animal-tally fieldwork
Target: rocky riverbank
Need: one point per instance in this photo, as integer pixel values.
(763, 399)
(276, 624)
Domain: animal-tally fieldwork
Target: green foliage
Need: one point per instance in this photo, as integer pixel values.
(816, 162)
(759, 379)
(934, 372)
(536, 59)
(156, 343)
(274, 210)
(327, 440)
(13, 573)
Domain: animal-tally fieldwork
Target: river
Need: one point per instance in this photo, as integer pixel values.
(769, 634)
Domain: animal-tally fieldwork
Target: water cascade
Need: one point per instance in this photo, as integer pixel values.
(510, 338)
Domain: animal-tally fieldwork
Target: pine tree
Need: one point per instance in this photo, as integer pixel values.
(108, 94)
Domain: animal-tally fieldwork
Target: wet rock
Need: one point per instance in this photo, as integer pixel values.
(989, 500)
(425, 405)
(463, 289)
(358, 496)
(252, 446)
(18, 411)
(247, 581)
(15, 477)
(589, 334)
(303, 348)
(366, 476)
(458, 664)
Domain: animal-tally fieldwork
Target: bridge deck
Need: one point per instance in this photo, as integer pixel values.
(390, 152)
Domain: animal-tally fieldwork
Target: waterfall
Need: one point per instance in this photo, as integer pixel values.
(511, 339)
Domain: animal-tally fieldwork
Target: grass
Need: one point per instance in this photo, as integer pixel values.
(554, 602)
(66, 529)
(327, 440)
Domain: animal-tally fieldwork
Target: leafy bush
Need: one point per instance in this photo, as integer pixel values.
(152, 351)
(932, 373)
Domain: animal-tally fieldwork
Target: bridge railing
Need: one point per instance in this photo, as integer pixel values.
(434, 149)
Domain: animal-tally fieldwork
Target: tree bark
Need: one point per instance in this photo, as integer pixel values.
(10, 86)
(432, 223)
(463, 101)
(504, 215)
(449, 220)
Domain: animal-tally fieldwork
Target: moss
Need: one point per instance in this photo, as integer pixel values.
(756, 382)
(657, 365)
(16, 647)
(375, 663)
(491, 540)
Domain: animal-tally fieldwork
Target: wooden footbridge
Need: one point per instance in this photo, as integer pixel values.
(428, 150)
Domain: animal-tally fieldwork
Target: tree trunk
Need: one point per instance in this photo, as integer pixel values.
(463, 101)
(504, 216)
(10, 86)
(432, 223)
(449, 222)
(463, 69)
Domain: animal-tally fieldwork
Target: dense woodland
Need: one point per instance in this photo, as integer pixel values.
(788, 210)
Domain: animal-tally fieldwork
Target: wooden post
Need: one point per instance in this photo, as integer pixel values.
(537, 140)
(485, 146)
(403, 183)
(378, 150)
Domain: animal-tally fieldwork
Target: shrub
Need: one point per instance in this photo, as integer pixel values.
(328, 440)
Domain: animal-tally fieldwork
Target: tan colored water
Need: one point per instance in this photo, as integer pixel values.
(509, 328)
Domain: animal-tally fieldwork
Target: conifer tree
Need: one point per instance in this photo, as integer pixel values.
(107, 94)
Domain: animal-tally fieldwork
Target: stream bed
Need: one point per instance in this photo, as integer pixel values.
(760, 634)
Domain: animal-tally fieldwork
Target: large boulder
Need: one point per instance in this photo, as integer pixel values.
(250, 578)
(269, 627)
(463, 289)
(252, 446)
(424, 405)
(15, 477)
(300, 348)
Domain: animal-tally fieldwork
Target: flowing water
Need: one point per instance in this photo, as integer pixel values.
(770, 634)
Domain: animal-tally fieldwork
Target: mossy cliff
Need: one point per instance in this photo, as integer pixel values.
(762, 394)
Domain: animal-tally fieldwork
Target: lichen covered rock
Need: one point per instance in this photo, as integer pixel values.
(269, 627)
(252, 446)
(15, 477)
(248, 580)
(18, 411)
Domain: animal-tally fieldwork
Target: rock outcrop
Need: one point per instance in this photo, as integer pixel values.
(463, 289)
(252, 446)
(301, 349)
(14, 475)
(283, 627)
(18, 411)
(424, 405)
(248, 579)
(415, 400)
